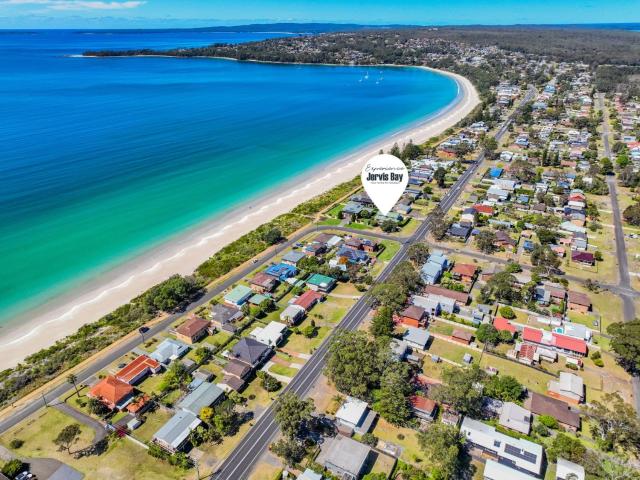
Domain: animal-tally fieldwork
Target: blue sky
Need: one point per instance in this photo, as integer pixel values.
(186, 13)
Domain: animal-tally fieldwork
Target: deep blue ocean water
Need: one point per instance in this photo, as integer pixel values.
(104, 158)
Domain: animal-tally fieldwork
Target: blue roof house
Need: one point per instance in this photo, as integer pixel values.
(430, 273)
(282, 271)
(495, 172)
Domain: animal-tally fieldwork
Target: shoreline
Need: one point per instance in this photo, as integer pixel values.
(66, 313)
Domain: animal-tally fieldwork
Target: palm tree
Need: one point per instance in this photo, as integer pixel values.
(72, 379)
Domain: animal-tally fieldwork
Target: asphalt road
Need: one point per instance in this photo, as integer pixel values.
(242, 460)
(624, 280)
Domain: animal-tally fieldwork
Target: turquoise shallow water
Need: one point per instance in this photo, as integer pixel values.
(102, 159)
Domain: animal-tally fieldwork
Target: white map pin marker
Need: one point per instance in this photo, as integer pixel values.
(384, 178)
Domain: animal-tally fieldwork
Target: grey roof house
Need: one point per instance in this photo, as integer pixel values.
(344, 457)
(205, 395)
(174, 434)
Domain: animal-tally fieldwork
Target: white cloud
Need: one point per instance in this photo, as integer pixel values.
(77, 4)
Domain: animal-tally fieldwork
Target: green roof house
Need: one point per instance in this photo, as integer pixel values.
(321, 283)
(238, 296)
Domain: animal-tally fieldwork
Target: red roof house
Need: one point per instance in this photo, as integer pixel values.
(112, 392)
(483, 209)
(502, 324)
(563, 343)
(192, 330)
(308, 299)
(460, 297)
(138, 369)
(423, 407)
(464, 271)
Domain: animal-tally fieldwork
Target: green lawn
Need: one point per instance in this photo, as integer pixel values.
(390, 250)
(152, 423)
(282, 370)
(451, 351)
(122, 461)
(330, 221)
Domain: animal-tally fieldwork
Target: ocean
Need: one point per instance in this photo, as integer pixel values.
(102, 159)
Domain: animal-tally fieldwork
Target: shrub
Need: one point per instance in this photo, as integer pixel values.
(598, 362)
(507, 312)
(16, 443)
(12, 468)
(370, 439)
(596, 355)
(548, 421)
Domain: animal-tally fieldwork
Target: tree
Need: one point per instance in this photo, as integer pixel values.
(549, 421)
(292, 413)
(207, 414)
(546, 235)
(169, 294)
(225, 418)
(67, 437)
(504, 387)
(485, 241)
(513, 267)
(175, 377)
(507, 312)
(501, 286)
(439, 176)
(406, 276)
(13, 467)
(614, 424)
(418, 253)
(291, 451)
(442, 445)
(625, 342)
(631, 214)
(487, 333)
(461, 389)
(272, 236)
(389, 226)
(543, 257)
(72, 379)
(269, 383)
(382, 323)
(566, 447)
(411, 151)
(395, 387)
(355, 363)
(388, 295)
(96, 407)
(606, 166)
(202, 355)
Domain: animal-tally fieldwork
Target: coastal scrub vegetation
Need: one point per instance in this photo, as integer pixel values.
(168, 296)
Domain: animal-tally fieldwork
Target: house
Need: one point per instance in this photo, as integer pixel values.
(484, 209)
(416, 337)
(399, 349)
(238, 296)
(413, 316)
(489, 271)
(468, 216)
(328, 239)
(461, 298)
(250, 351)
(293, 258)
(235, 375)
(263, 282)
(495, 172)
(567, 470)
(281, 271)
(308, 299)
(423, 407)
(169, 350)
(516, 418)
(224, 317)
(351, 209)
(138, 369)
(205, 395)
(192, 330)
(519, 454)
(321, 283)
(314, 249)
(568, 388)
(465, 272)
(462, 336)
(363, 244)
(459, 231)
(503, 239)
(309, 474)
(496, 194)
(585, 258)
(503, 325)
(499, 471)
(578, 302)
(174, 434)
(557, 341)
(430, 273)
(577, 330)
(292, 314)
(435, 304)
(271, 334)
(354, 415)
(344, 457)
(112, 392)
(352, 256)
(543, 405)
(525, 353)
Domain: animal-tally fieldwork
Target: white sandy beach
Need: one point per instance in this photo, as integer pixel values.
(182, 255)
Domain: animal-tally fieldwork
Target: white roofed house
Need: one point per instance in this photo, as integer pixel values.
(516, 418)
(354, 415)
(567, 470)
(518, 454)
(270, 335)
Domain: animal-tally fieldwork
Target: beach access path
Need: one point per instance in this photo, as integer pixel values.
(240, 463)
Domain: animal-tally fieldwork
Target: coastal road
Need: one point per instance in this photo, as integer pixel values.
(242, 460)
(51, 397)
(624, 280)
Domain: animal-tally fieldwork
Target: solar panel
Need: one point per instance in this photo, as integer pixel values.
(517, 452)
